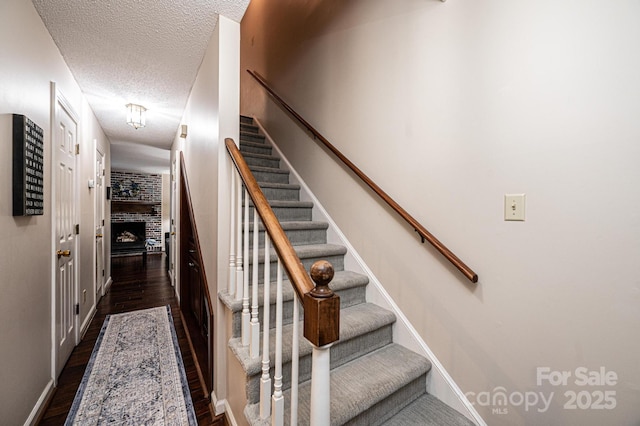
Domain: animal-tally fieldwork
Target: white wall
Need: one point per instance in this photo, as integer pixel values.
(212, 114)
(449, 106)
(30, 61)
(91, 137)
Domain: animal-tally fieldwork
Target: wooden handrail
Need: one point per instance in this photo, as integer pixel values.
(421, 230)
(301, 281)
(322, 328)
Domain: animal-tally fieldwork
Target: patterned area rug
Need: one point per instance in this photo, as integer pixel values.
(135, 375)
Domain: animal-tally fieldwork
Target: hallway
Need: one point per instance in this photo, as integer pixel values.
(133, 288)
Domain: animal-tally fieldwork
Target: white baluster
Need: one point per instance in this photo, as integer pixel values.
(246, 314)
(265, 380)
(320, 386)
(239, 266)
(294, 360)
(277, 408)
(254, 350)
(232, 239)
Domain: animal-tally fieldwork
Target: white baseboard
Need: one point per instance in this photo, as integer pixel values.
(87, 322)
(39, 408)
(439, 382)
(107, 286)
(219, 405)
(229, 413)
(222, 406)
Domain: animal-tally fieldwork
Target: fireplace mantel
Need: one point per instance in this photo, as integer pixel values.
(134, 206)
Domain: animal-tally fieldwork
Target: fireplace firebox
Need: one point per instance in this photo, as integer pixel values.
(127, 237)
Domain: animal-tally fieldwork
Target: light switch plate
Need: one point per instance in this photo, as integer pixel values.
(514, 207)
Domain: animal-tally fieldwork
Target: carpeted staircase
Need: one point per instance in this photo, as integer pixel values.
(373, 380)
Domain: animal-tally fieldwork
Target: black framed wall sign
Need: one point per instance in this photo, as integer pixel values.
(28, 167)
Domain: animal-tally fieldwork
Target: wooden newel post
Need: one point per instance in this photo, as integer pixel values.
(321, 307)
(322, 329)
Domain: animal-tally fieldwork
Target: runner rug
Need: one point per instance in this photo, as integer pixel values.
(135, 375)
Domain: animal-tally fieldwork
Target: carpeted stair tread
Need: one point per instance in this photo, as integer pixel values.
(428, 410)
(342, 280)
(254, 144)
(278, 185)
(261, 156)
(262, 169)
(288, 203)
(305, 252)
(295, 225)
(249, 128)
(299, 233)
(359, 385)
(280, 191)
(354, 321)
(264, 160)
(288, 210)
(256, 148)
(246, 119)
(269, 174)
(251, 136)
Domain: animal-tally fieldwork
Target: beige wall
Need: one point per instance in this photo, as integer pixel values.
(449, 106)
(30, 61)
(212, 114)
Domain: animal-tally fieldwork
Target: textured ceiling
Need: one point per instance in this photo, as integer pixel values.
(140, 51)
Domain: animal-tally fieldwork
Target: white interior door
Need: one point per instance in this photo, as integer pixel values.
(99, 224)
(64, 140)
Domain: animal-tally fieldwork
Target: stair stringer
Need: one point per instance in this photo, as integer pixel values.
(439, 382)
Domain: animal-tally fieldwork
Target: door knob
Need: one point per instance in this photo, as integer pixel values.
(173, 233)
(98, 235)
(65, 253)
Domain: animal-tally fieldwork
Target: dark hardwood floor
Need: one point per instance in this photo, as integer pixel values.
(133, 288)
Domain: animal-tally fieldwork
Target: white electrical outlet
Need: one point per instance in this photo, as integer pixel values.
(514, 207)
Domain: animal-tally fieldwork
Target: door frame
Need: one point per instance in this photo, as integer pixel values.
(58, 98)
(173, 221)
(99, 198)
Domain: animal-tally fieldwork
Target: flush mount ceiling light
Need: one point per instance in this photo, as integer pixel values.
(136, 115)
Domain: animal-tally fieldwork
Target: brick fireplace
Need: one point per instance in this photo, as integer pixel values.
(137, 197)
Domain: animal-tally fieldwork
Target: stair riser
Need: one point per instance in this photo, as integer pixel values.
(263, 176)
(251, 137)
(249, 128)
(246, 120)
(285, 214)
(262, 162)
(298, 237)
(255, 149)
(281, 194)
(341, 353)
